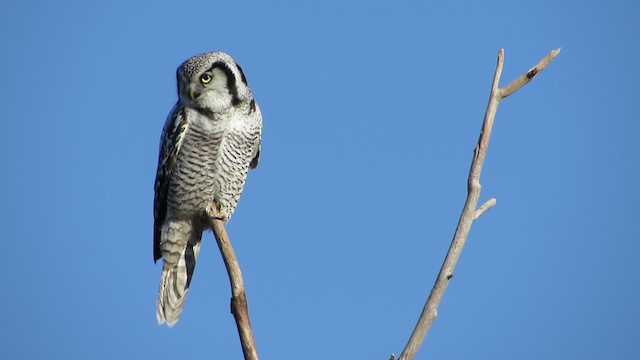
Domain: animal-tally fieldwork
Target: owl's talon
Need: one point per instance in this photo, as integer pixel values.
(215, 213)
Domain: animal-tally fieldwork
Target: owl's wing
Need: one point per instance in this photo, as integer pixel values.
(170, 142)
(254, 162)
(254, 112)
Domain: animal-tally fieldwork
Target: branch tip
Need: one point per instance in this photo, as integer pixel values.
(525, 78)
(482, 209)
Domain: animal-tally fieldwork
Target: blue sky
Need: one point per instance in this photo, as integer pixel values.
(371, 112)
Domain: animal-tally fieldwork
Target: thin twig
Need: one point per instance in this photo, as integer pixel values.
(523, 79)
(482, 209)
(239, 307)
(470, 211)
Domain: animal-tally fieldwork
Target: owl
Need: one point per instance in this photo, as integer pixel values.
(209, 142)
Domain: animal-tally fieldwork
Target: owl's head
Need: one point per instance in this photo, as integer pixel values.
(212, 82)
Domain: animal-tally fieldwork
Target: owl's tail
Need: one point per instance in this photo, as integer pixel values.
(177, 271)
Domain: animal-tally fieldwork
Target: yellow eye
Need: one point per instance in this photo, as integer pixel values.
(206, 78)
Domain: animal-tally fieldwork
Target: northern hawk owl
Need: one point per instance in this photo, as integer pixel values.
(210, 140)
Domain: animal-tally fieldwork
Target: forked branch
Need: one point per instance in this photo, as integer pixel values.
(470, 211)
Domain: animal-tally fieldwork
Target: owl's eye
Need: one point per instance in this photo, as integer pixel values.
(206, 78)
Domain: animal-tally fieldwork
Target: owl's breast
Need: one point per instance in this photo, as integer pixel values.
(194, 179)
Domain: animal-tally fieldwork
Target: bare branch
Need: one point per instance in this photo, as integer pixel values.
(470, 211)
(239, 307)
(529, 75)
(486, 206)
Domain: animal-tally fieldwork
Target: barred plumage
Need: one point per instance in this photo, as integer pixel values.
(210, 140)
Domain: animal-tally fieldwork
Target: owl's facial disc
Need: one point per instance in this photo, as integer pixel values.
(194, 91)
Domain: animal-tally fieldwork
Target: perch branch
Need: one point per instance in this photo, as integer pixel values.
(470, 211)
(239, 307)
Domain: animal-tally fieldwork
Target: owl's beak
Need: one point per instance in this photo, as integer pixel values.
(194, 93)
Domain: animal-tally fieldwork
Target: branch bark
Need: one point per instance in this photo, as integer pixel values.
(239, 306)
(470, 211)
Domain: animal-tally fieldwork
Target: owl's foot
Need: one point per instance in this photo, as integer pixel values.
(214, 212)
